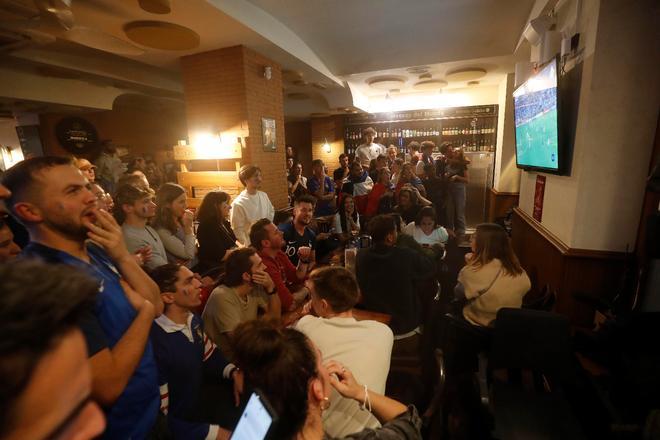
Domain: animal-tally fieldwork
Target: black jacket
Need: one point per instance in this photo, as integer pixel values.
(386, 275)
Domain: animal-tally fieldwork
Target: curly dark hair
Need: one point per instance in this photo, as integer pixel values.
(39, 304)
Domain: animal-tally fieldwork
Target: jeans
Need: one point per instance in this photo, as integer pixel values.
(456, 207)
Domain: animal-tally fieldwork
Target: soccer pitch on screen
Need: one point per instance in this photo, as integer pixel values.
(537, 142)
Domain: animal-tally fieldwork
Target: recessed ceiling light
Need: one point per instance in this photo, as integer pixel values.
(465, 74)
(430, 84)
(385, 82)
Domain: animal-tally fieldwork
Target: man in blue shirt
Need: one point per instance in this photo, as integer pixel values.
(185, 355)
(56, 205)
(297, 233)
(322, 188)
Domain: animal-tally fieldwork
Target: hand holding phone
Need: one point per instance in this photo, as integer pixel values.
(256, 420)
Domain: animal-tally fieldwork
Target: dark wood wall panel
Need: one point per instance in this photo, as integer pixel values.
(499, 203)
(548, 261)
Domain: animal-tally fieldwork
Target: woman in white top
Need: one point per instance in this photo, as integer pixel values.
(425, 229)
(493, 277)
(174, 224)
(347, 219)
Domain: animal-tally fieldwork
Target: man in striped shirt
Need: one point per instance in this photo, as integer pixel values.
(185, 355)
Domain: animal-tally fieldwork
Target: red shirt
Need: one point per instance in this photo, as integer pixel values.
(283, 274)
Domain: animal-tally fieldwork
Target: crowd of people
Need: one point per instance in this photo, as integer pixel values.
(383, 181)
(119, 313)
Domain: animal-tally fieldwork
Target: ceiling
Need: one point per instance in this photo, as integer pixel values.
(330, 48)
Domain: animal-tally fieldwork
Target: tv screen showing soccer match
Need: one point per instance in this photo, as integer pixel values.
(536, 121)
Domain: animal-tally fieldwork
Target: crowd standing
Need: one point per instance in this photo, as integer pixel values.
(118, 313)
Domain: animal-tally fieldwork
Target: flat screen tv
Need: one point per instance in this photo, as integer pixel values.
(536, 107)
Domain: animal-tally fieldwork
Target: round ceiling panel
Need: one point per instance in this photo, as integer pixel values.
(162, 35)
(418, 69)
(429, 85)
(101, 41)
(386, 82)
(465, 74)
(156, 6)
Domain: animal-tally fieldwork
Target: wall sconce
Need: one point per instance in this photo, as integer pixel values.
(268, 72)
(326, 147)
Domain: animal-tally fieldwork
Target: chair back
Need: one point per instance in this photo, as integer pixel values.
(532, 340)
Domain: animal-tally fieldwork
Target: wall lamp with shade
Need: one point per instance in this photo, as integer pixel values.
(326, 147)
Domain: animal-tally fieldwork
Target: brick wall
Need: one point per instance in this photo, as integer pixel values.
(265, 100)
(330, 128)
(225, 89)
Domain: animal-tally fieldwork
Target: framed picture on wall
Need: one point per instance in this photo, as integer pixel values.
(269, 134)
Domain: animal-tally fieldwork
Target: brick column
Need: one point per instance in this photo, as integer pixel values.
(225, 90)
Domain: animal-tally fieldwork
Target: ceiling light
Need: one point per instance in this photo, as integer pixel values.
(466, 74)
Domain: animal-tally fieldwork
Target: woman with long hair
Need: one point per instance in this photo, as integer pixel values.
(410, 201)
(287, 367)
(174, 224)
(214, 234)
(457, 177)
(492, 277)
(425, 230)
(347, 219)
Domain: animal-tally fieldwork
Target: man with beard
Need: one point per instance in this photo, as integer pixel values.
(269, 241)
(297, 232)
(343, 171)
(54, 202)
(246, 289)
(133, 209)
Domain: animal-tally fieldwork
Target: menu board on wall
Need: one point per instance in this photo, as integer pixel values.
(30, 140)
